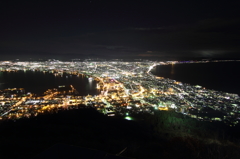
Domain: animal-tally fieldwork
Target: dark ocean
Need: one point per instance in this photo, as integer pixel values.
(220, 76)
(38, 82)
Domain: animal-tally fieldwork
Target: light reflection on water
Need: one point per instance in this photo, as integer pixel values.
(38, 82)
(172, 69)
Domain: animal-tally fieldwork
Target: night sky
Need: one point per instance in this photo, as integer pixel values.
(163, 29)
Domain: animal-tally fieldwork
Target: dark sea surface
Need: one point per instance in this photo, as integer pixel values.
(220, 76)
(38, 82)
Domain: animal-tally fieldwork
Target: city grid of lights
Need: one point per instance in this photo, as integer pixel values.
(125, 88)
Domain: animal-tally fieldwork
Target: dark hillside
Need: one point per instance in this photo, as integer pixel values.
(149, 138)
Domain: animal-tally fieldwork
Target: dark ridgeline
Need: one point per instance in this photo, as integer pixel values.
(221, 76)
(164, 135)
(84, 127)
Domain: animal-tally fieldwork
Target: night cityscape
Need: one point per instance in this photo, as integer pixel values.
(126, 87)
(119, 79)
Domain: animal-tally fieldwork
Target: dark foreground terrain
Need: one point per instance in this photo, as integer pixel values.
(164, 135)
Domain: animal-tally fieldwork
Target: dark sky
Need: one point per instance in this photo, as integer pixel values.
(163, 29)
